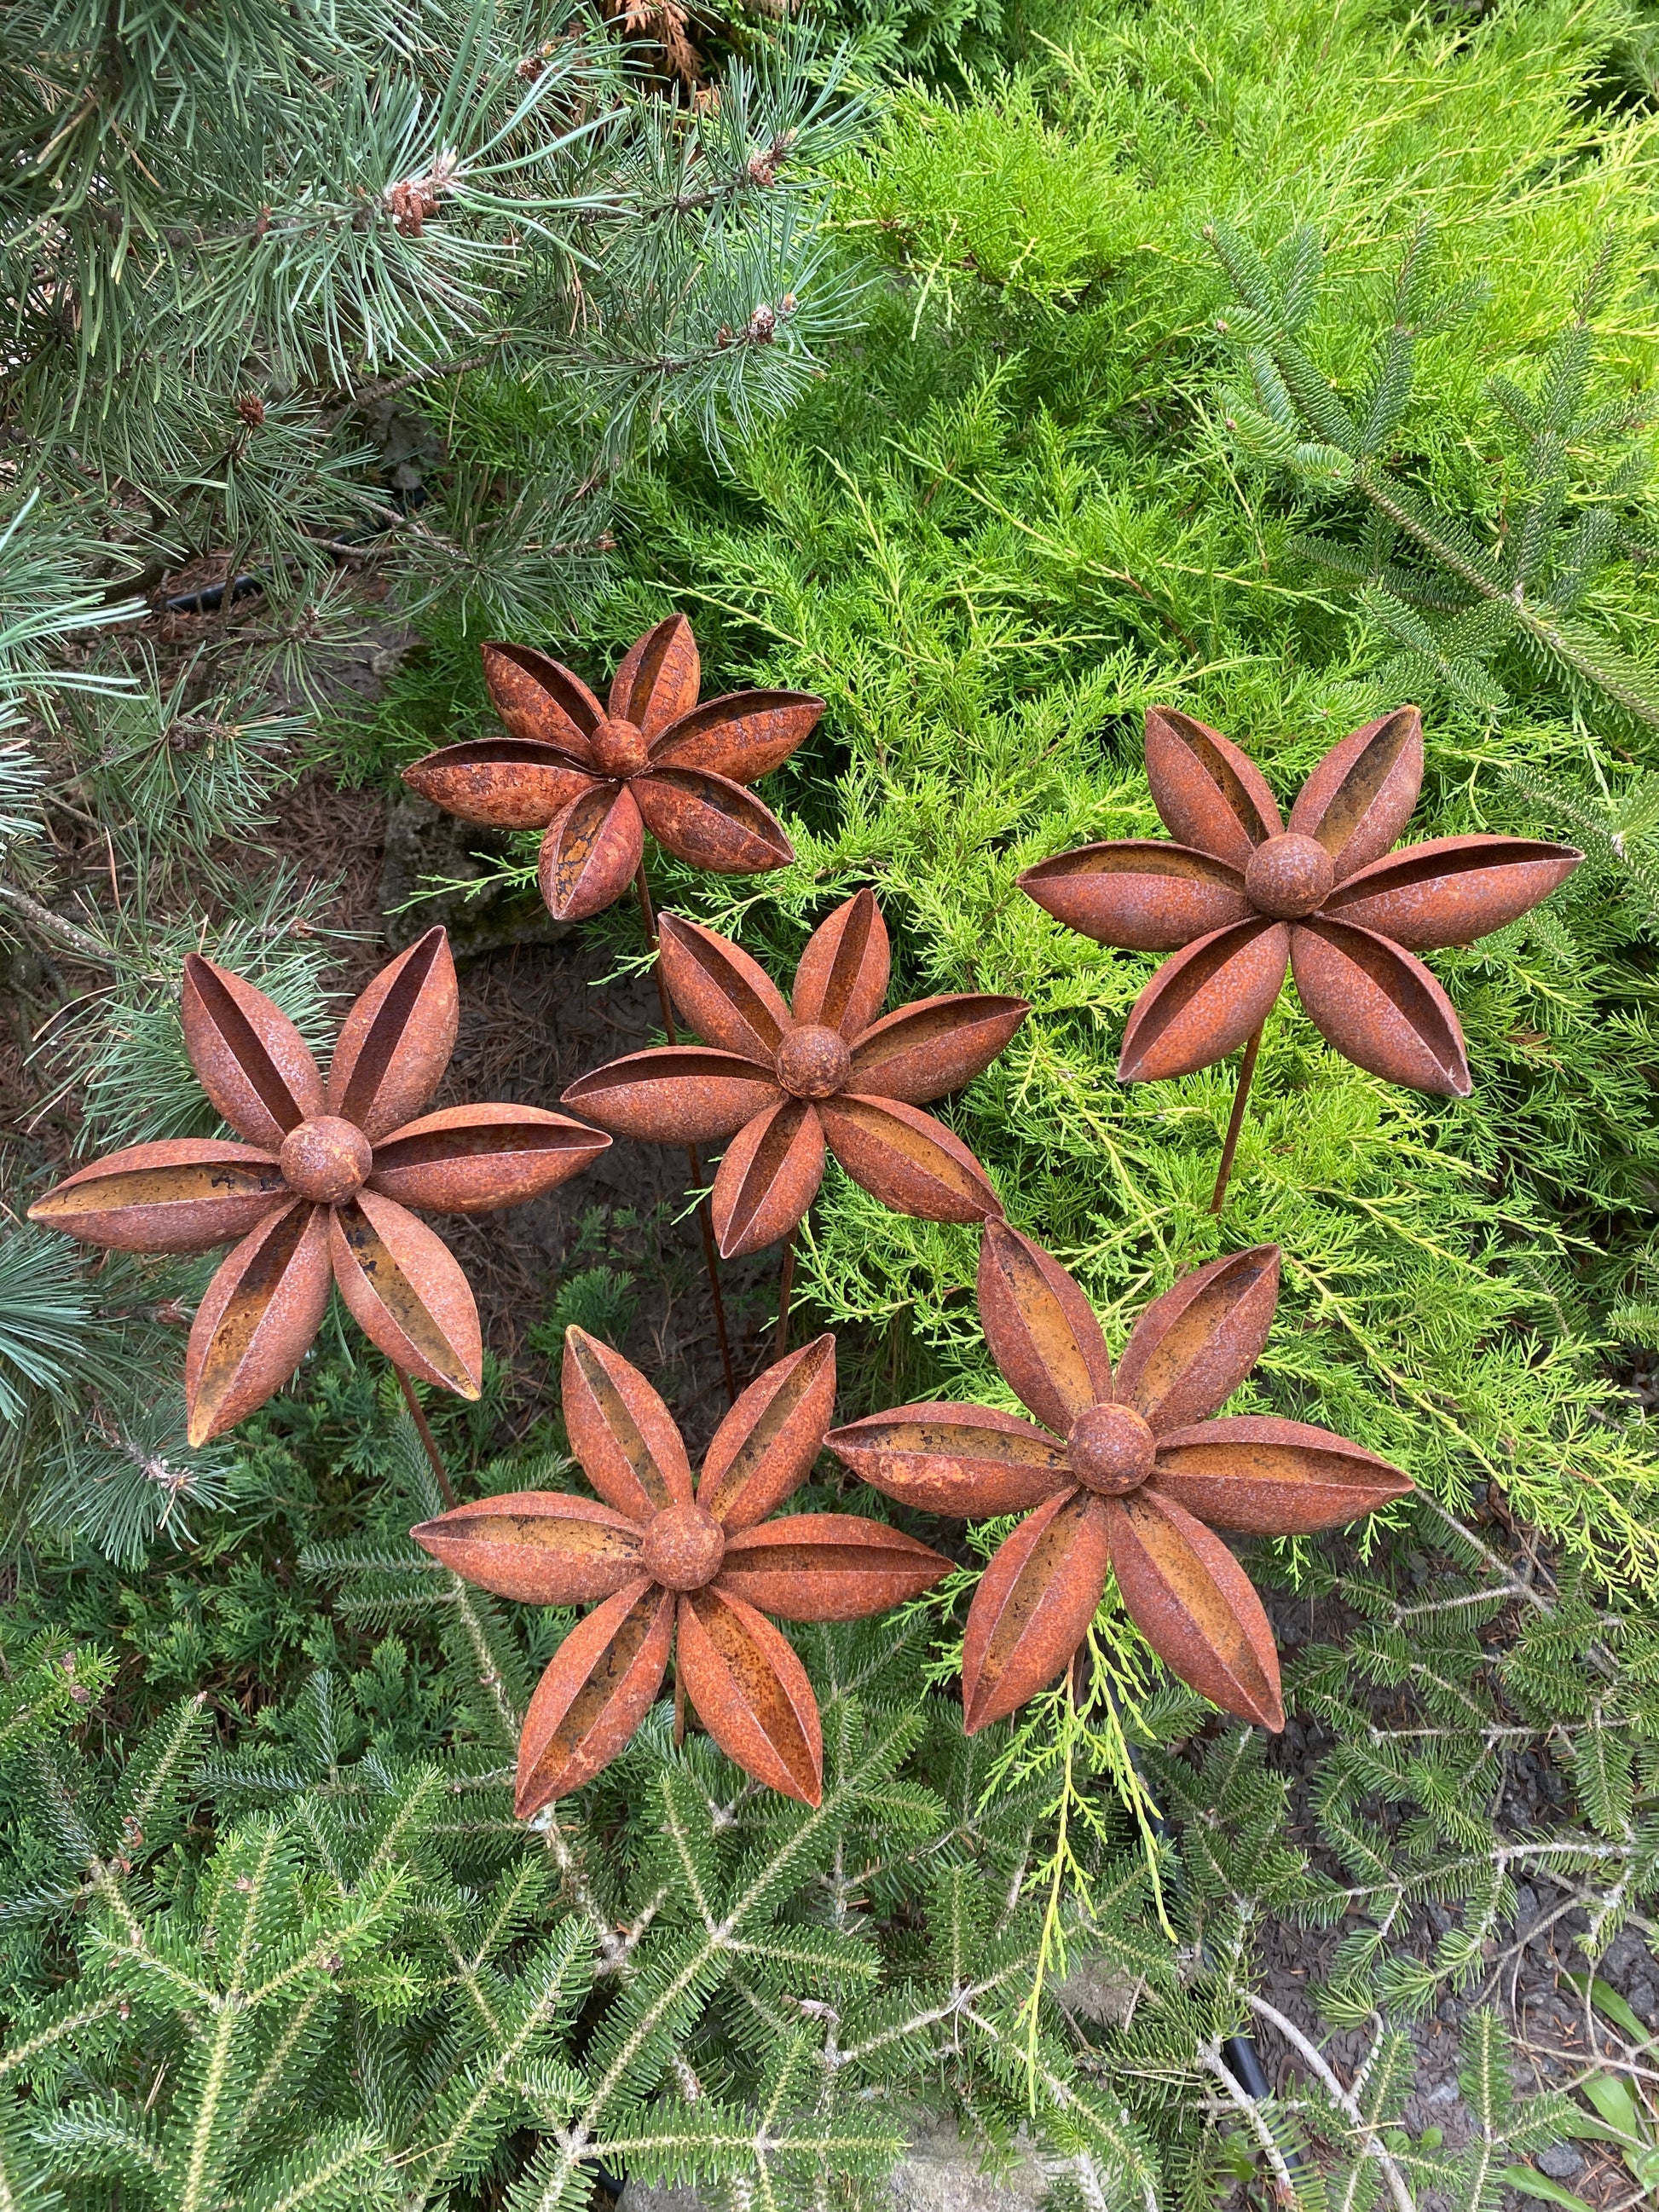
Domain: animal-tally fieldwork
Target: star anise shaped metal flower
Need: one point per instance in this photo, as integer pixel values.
(788, 1081)
(1325, 898)
(323, 1185)
(1128, 1474)
(596, 778)
(696, 1572)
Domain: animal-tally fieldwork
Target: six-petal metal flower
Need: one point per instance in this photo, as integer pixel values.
(1246, 898)
(788, 1081)
(1128, 1474)
(323, 1185)
(596, 778)
(696, 1572)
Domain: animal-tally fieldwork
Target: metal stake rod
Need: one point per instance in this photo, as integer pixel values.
(445, 1489)
(1235, 1122)
(786, 1285)
(704, 1222)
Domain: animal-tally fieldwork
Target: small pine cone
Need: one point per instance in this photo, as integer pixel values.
(251, 408)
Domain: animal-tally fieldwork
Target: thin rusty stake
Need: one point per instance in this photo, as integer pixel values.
(710, 1263)
(446, 1490)
(786, 1284)
(679, 1709)
(1235, 1121)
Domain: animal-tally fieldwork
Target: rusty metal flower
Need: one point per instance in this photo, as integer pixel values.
(696, 1572)
(1247, 897)
(1128, 1474)
(785, 1082)
(596, 778)
(321, 1189)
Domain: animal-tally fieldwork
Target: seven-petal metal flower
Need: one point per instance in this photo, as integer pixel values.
(323, 1185)
(1127, 1474)
(698, 1571)
(596, 778)
(1246, 898)
(788, 1081)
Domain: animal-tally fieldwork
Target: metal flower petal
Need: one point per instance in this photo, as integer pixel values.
(1206, 1001)
(396, 1041)
(750, 1693)
(406, 1291)
(741, 736)
(841, 981)
(660, 677)
(710, 821)
(972, 1462)
(1266, 1477)
(933, 1046)
(1033, 1606)
(591, 853)
(539, 1546)
(537, 696)
(182, 1194)
(620, 1431)
(249, 1058)
(1043, 1334)
(256, 1323)
(1193, 1347)
(1452, 889)
(907, 1159)
(471, 1159)
(597, 1688)
(1360, 797)
(1207, 792)
(728, 999)
(765, 1446)
(1138, 893)
(1380, 1007)
(767, 1178)
(1195, 1605)
(827, 1566)
(675, 1094)
(508, 783)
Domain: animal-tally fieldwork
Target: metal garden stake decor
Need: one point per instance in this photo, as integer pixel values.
(1248, 898)
(596, 778)
(785, 1081)
(321, 1190)
(690, 1572)
(1128, 1474)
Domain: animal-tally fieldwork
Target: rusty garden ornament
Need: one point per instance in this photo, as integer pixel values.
(1127, 1475)
(693, 1572)
(785, 1080)
(1242, 898)
(594, 778)
(321, 1189)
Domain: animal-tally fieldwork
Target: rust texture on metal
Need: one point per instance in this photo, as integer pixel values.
(684, 1570)
(1128, 1474)
(1242, 898)
(785, 1081)
(594, 779)
(320, 1191)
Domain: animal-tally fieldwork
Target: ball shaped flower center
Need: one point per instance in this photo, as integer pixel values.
(682, 1548)
(813, 1062)
(325, 1159)
(1111, 1449)
(620, 748)
(1289, 876)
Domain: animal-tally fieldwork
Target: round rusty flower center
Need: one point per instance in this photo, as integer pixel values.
(1111, 1449)
(682, 1548)
(326, 1159)
(814, 1063)
(620, 748)
(1289, 876)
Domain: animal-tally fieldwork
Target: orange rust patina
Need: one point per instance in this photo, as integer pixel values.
(1127, 1475)
(694, 1572)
